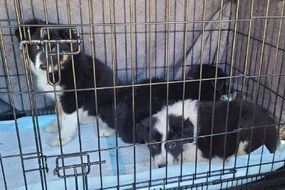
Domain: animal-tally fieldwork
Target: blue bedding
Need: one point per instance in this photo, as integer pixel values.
(259, 161)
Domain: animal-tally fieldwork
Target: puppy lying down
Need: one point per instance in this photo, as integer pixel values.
(187, 130)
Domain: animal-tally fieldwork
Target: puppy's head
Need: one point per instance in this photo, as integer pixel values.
(165, 138)
(37, 51)
(208, 87)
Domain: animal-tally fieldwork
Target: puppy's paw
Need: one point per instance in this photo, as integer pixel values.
(106, 132)
(282, 133)
(56, 141)
(52, 128)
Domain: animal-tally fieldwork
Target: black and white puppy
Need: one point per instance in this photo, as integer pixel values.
(84, 79)
(169, 141)
(147, 99)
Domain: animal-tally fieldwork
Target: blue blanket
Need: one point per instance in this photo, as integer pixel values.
(258, 162)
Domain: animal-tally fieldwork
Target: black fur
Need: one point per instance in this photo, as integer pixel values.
(85, 80)
(208, 92)
(145, 104)
(256, 128)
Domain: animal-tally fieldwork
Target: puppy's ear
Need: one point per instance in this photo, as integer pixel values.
(33, 29)
(188, 130)
(142, 131)
(221, 83)
(17, 34)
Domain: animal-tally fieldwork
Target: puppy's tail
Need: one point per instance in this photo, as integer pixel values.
(272, 141)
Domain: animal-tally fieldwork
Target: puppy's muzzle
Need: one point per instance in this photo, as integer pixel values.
(161, 165)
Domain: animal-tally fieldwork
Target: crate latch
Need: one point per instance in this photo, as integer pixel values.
(81, 165)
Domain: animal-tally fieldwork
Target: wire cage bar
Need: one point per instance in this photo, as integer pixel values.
(138, 40)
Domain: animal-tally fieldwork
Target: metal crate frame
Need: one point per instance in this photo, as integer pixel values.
(244, 79)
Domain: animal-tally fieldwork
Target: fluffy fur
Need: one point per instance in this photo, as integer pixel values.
(84, 79)
(168, 141)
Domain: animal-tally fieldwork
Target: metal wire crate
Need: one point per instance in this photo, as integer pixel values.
(138, 39)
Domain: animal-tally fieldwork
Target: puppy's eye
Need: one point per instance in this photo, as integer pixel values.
(154, 146)
(53, 49)
(38, 47)
(171, 145)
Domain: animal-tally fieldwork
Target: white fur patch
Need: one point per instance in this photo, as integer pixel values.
(41, 79)
(159, 160)
(162, 159)
(104, 129)
(69, 125)
(52, 128)
(241, 148)
(85, 118)
(190, 112)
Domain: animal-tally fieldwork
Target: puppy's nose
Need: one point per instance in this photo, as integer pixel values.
(161, 165)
